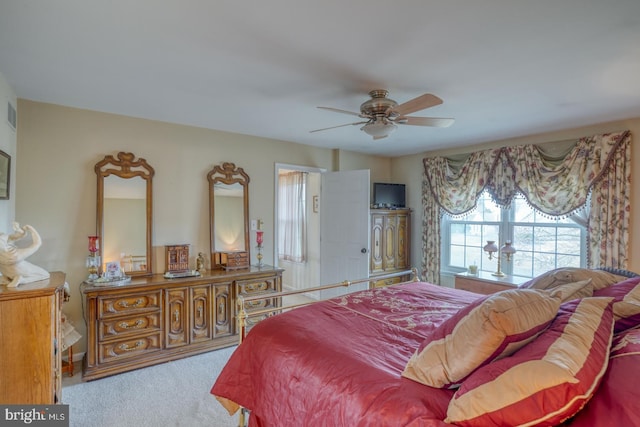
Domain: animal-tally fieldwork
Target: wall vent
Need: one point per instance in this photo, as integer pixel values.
(12, 116)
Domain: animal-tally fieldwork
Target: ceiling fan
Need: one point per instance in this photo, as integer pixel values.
(382, 114)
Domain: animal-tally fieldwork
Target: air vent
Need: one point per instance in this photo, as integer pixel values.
(12, 116)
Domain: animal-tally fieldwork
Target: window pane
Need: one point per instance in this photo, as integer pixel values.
(523, 238)
(567, 239)
(474, 234)
(457, 234)
(491, 211)
(523, 263)
(490, 232)
(523, 213)
(475, 215)
(543, 262)
(456, 256)
(544, 239)
(568, 261)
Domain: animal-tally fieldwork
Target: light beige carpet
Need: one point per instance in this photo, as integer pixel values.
(170, 394)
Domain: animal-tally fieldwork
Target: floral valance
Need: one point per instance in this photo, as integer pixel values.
(552, 187)
(553, 184)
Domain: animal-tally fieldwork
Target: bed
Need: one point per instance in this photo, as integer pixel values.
(417, 354)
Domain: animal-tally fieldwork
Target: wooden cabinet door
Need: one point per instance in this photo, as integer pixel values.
(177, 320)
(389, 242)
(201, 314)
(377, 224)
(402, 233)
(223, 323)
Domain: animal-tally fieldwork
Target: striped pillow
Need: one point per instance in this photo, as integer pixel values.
(489, 328)
(616, 401)
(548, 380)
(626, 303)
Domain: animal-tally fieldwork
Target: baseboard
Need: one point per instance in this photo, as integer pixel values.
(77, 357)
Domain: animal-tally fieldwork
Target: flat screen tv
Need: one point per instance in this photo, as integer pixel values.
(388, 195)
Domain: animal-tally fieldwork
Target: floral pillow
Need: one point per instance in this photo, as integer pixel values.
(626, 303)
(548, 380)
(489, 328)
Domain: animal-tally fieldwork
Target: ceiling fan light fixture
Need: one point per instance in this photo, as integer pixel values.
(379, 128)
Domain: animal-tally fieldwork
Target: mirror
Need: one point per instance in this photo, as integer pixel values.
(124, 213)
(229, 216)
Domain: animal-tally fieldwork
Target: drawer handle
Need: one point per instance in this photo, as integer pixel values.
(125, 347)
(251, 287)
(125, 304)
(176, 315)
(138, 323)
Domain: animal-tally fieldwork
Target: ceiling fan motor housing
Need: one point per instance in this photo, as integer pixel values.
(378, 105)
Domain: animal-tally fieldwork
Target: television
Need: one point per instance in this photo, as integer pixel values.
(388, 195)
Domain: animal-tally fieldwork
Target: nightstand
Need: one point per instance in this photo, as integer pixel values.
(486, 283)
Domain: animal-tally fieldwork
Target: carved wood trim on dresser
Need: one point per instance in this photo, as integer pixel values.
(390, 244)
(30, 337)
(153, 320)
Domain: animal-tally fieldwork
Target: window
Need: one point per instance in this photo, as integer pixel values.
(542, 243)
(292, 222)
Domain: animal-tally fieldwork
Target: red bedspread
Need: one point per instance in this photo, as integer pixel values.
(338, 362)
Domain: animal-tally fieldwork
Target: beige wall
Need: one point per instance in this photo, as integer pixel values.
(56, 184)
(408, 170)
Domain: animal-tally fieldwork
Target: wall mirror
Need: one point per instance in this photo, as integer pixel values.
(124, 213)
(229, 216)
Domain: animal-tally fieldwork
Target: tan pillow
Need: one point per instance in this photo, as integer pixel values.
(548, 380)
(626, 303)
(574, 290)
(489, 328)
(599, 279)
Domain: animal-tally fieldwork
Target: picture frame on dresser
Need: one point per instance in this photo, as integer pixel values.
(5, 175)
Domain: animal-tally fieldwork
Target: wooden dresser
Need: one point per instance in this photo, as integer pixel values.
(390, 242)
(153, 320)
(486, 283)
(30, 352)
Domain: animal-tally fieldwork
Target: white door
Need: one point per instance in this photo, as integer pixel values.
(344, 229)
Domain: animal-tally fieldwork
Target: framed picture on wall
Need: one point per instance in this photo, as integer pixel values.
(5, 174)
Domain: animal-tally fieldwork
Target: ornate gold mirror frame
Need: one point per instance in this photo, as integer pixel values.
(124, 215)
(229, 226)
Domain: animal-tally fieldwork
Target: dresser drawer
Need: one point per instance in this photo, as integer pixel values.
(129, 304)
(254, 287)
(261, 304)
(129, 347)
(122, 326)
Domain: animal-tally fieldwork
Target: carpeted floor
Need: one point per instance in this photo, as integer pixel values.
(170, 394)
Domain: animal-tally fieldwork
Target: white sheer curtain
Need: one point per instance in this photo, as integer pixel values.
(292, 225)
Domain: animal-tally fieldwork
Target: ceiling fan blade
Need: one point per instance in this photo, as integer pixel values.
(416, 104)
(339, 126)
(439, 122)
(337, 110)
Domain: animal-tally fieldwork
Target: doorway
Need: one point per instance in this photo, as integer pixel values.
(305, 273)
(337, 229)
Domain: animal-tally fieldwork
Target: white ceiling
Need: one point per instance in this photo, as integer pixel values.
(260, 67)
